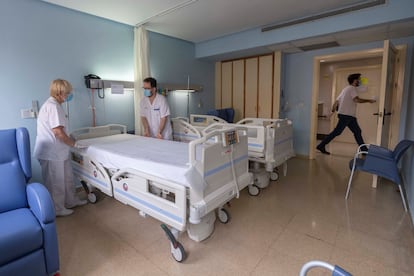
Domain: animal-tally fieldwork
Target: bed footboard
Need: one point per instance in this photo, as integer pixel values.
(223, 165)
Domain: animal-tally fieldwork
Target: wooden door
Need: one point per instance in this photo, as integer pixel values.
(250, 110)
(386, 94)
(226, 84)
(265, 87)
(238, 89)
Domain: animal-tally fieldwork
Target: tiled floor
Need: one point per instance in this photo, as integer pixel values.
(298, 218)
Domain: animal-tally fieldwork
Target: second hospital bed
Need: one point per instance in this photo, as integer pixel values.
(270, 143)
(180, 184)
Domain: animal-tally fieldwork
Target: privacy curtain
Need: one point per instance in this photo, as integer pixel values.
(141, 70)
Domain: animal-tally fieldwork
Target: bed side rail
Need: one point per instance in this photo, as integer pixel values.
(183, 131)
(99, 131)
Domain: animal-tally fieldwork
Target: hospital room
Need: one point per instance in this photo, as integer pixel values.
(194, 137)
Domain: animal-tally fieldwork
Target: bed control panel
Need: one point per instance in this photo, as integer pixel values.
(230, 138)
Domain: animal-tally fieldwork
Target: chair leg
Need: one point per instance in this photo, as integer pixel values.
(349, 183)
(402, 198)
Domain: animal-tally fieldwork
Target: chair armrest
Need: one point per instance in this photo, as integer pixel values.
(40, 203)
(363, 145)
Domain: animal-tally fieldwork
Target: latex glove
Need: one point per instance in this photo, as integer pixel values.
(79, 145)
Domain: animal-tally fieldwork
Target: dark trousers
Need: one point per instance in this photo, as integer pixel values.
(344, 121)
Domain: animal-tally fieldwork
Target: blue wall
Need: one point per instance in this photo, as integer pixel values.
(41, 42)
(255, 40)
(172, 61)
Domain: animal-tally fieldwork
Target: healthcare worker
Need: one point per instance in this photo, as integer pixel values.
(154, 112)
(52, 149)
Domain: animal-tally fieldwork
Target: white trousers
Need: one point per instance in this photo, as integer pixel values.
(58, 179)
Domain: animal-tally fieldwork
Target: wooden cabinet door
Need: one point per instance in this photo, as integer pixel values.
(238, 89)
(251, 75)
(226, 84)
(265, 90)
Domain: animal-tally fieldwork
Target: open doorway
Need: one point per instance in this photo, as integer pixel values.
(390, 93)
(391, 84)
(333, 78)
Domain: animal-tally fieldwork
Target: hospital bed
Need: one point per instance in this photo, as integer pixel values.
(180, 184)
(270, 144)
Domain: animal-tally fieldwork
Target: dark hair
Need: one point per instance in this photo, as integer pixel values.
(151, 81)
(353, 77)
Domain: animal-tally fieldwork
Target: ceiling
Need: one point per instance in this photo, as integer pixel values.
(201, 20)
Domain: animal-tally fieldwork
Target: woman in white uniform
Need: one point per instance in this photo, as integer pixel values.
(52, 149)
(155, 112)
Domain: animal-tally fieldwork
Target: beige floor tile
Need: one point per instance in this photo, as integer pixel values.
(301, 217)
(276, 263)
(92, 250)
(360, 243)
(314, 226)
(302, 246)
(358, 264)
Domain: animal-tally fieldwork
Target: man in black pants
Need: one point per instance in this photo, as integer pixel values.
(346, 106)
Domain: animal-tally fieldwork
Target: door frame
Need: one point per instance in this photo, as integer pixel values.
(354, 55)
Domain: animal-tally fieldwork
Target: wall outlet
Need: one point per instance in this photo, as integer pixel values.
(27, 113)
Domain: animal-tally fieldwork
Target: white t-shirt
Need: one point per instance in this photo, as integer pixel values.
(47, 146)
(347, 106)
(154, 112)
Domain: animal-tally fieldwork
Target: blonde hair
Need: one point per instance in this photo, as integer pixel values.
(60, 87)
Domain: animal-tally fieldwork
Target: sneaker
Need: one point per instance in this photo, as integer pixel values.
(322, 149)
(64, 212)
(80, 202)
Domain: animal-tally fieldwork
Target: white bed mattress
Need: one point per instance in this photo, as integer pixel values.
(161, 158)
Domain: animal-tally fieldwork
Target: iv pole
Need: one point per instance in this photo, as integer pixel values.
(188, 96)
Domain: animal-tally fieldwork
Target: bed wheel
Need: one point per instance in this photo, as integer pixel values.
(178, 253)
(274, 176)
(254, 190)
(92, 197)
(223, 215)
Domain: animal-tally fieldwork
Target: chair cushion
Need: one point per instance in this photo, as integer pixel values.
(380, 152)
(20, 234)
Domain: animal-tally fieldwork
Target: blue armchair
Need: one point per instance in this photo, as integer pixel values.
(382, 162)
(28, 238)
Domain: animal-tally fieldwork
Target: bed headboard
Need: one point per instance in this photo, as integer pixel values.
(205, 120)
(99, 131)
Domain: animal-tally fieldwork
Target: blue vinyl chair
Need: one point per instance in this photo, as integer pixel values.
(28, 238)
(382, 162)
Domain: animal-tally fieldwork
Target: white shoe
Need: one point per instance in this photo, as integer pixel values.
(79, 202)
(64, 212)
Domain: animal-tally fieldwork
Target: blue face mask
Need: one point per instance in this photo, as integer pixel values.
(69, 97)
(147, 93)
